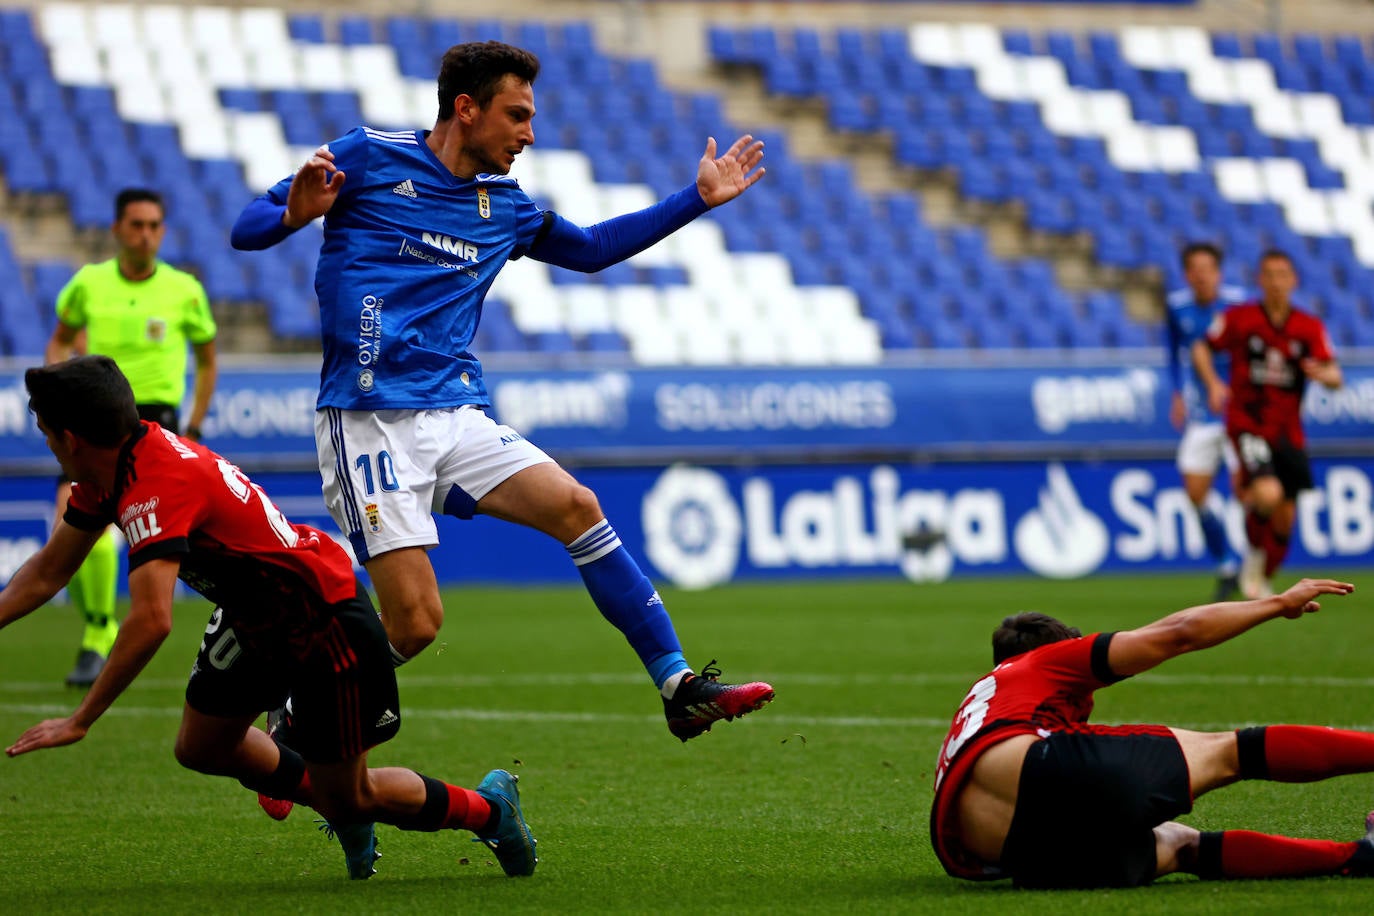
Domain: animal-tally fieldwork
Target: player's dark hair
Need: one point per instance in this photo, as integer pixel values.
(137, 196)
(476, 69)
(1029, 630)
(87, 395)
(1276, 254)
(1206, 248)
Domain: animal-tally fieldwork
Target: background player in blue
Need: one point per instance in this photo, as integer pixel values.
(417, 225)
(1204, 446)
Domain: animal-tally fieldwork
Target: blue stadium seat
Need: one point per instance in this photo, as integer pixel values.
(356, 30)
(304, 27)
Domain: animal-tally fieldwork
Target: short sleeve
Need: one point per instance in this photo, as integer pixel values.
(199, 321)
(1322, 350)
(157, 515)
(86, 509)
(1079, 663)
(71, 302)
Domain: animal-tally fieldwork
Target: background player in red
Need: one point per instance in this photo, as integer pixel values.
(1025, 788)
(1274, 349)
(291, 617)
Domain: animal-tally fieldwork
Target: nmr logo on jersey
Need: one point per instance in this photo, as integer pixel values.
(449, 245)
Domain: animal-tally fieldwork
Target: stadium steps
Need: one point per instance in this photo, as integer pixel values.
(810, 137)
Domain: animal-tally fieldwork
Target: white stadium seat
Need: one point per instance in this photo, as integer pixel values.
(1239, 180)
(264, 27)
(59, 23)
(934, 43)
(213, 27)
(114, 25)
(1147, 48)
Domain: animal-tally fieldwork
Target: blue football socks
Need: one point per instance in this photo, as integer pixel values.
(1218, 545)
(627, 598)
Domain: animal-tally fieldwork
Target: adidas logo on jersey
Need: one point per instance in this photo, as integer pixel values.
(405, 189)
(387, 718)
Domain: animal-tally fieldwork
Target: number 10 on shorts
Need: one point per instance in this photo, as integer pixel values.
(386, 473)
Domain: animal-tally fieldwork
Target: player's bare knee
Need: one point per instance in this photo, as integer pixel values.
(414, 624)
(583, 507)
(1266, 493)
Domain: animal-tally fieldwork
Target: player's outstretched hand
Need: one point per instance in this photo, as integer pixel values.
(1301, 598)
(725, 178)
(48, 733)
(314, 189)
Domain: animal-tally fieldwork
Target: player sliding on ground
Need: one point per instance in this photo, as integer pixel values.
(291, 616)
(1026, 789)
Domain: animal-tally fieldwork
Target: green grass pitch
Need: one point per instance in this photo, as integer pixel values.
(818, 803)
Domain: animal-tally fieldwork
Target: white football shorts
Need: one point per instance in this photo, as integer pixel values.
(387, 472)
(1204, 448)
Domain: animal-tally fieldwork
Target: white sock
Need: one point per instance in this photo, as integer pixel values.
(670, 686)
(397, 659)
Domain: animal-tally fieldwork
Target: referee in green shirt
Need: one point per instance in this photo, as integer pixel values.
(142, 313)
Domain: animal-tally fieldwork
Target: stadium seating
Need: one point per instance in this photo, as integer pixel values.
(1142, 139)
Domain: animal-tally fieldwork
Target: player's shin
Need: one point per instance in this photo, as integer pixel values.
(1245, 854)
(1302, 753)
(627, 598)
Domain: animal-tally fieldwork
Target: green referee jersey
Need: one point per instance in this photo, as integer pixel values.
(143, 326)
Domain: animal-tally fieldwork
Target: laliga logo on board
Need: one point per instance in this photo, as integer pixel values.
(696, 531)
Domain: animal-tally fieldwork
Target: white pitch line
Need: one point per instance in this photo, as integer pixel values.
(810, 679)
(602, 718)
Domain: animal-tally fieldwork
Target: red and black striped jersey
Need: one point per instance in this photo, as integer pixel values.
(176, 498)
(1267, 381)
(1040, 692)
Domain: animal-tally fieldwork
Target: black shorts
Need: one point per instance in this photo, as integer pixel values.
(1260, 457)
(164, 415)
(341, 680)
(1087, 807)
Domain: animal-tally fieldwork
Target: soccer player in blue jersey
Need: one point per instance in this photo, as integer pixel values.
(1204, 446)
(417, 225)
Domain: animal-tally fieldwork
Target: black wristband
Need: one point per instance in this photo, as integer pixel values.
(193, 432)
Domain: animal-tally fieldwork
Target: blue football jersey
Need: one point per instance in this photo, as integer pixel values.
(409, 253)
(1187, 323)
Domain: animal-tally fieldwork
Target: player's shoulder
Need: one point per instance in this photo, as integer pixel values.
(96, 273)
(1180, 299)
(176, 277)
(392, 139)
(492, 180)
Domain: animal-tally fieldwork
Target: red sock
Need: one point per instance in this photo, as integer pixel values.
(1245, 854)
(1304, 753)
(466, 809)
(446, 807)
(302, 793)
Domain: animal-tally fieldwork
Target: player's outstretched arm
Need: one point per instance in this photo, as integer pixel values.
(44, 573)
(1202, 627)
(722, 179)
(151, 587)
(597, 247)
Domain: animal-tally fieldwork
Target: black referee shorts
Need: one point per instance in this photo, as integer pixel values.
(1087, 807)
(340, 679)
